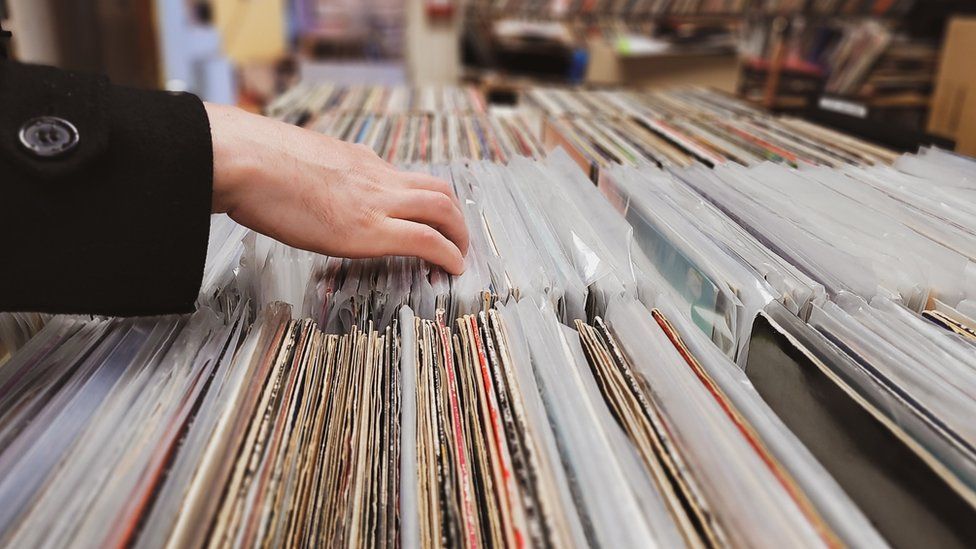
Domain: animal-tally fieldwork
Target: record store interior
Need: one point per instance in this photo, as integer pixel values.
(488, 273)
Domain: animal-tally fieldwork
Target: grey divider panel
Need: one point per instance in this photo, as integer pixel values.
(808, 382)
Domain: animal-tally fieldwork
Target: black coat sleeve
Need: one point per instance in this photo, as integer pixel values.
(117, 225)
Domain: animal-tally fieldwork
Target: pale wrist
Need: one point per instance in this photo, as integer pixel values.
(234, 161)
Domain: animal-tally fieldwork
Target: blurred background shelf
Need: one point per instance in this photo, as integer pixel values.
(891, 56)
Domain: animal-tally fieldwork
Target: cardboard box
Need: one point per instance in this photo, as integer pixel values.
(953, 113)
(607, 67)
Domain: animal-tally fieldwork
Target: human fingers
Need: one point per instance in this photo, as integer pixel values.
(428, 182)
(410, 238)
(434, 209)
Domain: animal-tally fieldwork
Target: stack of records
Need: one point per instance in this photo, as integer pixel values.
(304, 100)
(434, 138)
(411, 125)
(855, 55)
(674, 128)
(491, 430)
(680, 127)
(733, 355)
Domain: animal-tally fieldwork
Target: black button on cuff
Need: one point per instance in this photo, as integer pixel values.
(48, 136)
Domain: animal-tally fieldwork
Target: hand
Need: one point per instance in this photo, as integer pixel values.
(320, 194)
